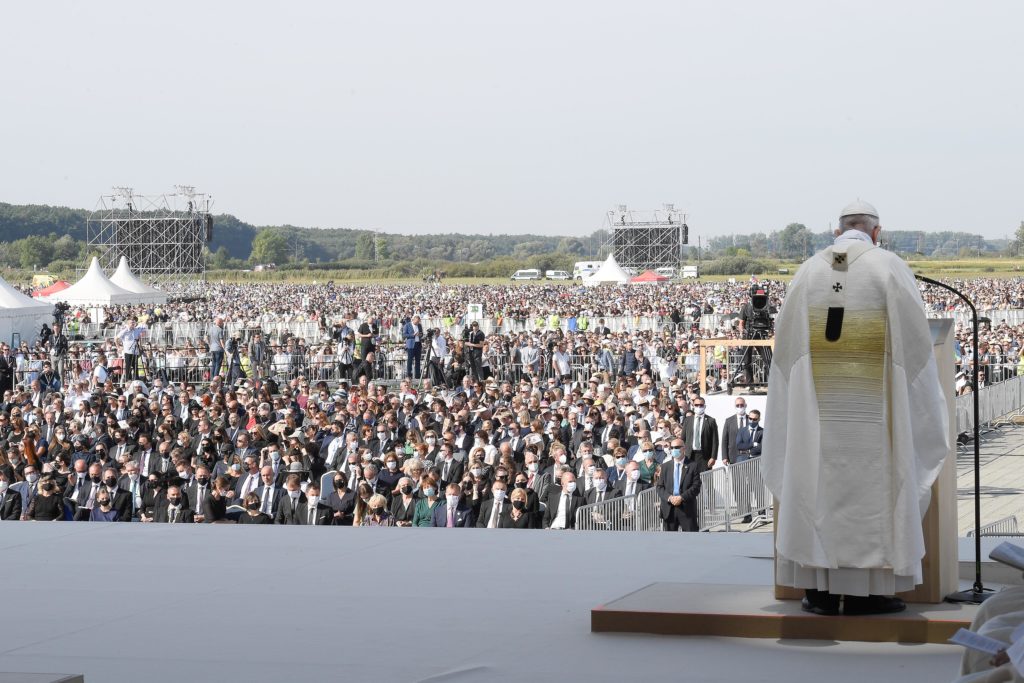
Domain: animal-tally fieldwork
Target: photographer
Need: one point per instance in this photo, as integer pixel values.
(128, 338)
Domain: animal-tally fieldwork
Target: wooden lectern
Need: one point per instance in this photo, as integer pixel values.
(940, 564)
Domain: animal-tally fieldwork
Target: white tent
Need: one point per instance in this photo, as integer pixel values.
(124, 278)
(94, 289)
(610, 273)
(20, 314)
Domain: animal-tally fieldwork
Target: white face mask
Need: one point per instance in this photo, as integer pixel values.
(570, 487)
(600, 484)
(591, 470)
(476, 471)
(699, 410)
(392, 465)
(532, 467)
(562, 459)
(3, 486)
(453, 501)
(499, 495)
(741, 410)
(295, 493)
(634, 475)
(312, 501)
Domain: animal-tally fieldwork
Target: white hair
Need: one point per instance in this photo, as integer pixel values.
(858, 221)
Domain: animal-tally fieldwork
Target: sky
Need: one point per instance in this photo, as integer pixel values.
(524, 117)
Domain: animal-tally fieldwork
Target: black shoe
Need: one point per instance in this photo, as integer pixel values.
(828, 607)
(855, 605)
(748, 519)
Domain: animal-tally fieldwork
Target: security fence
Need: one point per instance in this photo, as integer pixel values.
(729, 494)
(640, 512)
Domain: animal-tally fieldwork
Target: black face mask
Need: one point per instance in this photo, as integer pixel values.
(520, 484)
(203, 481)
(96, 478)
(407, 490)
(377, 511)
(518, 504)
(104, 503)
(252, 506)
(110, 481)
(174, 501)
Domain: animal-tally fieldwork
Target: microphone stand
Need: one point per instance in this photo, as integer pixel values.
(977, 593)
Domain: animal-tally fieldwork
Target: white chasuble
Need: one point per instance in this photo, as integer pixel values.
(855, 424)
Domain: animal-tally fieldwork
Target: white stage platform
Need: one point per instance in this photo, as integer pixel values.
(147, 603)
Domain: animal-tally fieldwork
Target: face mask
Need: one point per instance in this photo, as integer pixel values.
(562, 459)
(429, 491)
(476, 471)
(634, 475)
(134, 476)
(312, 501)
(479, 443)
(382, 436)
(622, 462)
(741, 410)
(294, 494)
(407, 490)
(174, 501)
(648, 455)
(431, 442)
(365, 500)
(275, 456)
(203, 481)
(104, 503)
(181, 442)
(377, 511)
(392, 465)
(752, 423)
(532, 467)
(600, 484)
(183, 474)
(699, 410)
(252, 506)
(677, 452)
(32, 478)
(110, 481)
(3, 486)
(452, 500)
(518, 505)
(520, 484)
(499, 495)
(95, 478)
(591, 470)
(570, 487)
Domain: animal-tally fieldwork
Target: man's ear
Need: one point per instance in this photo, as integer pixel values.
(876, 234)
(836, 233)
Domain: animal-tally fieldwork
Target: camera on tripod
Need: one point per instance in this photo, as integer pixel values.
(760, 314)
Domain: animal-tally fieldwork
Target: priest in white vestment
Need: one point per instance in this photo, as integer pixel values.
(856, 426)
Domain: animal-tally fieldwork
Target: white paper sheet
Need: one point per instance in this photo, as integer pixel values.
(978, 642)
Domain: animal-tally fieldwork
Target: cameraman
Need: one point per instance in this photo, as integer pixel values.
(755, 322)
(128, 337)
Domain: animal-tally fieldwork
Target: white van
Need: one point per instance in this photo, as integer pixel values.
(556, 275)
(690, 271)
(528, 274)
(584, 269)
(667, 271)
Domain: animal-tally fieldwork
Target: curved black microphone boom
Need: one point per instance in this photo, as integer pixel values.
(976, 594)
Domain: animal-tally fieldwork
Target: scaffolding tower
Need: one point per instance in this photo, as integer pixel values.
(647, 239)
(163, 237)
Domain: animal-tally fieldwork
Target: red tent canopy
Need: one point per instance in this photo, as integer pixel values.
(52, 289)
(650, 276)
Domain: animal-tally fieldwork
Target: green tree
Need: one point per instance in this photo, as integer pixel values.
(35, 250)
(383, 249)
(795, 241)
(269, 246)
(364, 247)
(66, 248)
(220, 258)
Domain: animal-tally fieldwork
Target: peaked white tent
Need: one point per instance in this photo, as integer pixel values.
(610, 273)
(124, 278)
(94, 289)
(20, 314)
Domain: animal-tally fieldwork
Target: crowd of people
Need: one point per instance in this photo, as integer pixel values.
(457, 428)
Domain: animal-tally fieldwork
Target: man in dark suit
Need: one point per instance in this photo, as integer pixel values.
(288, 511)
(197, 492)
(748, 445)
(173, 509)
(630, 483)
(451, 468)
(562, 503)
(455, 512)
(700, 435)
(311, 511)
(678, 488)
(600, 491)
(733, 424)
(270, 494)
(120, 499)
(494, 508)
(87, 490)
(412, 330)
(10, 502)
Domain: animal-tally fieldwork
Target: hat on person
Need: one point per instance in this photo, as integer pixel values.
(859, 208)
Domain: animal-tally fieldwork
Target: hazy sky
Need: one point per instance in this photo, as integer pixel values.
(523, 117)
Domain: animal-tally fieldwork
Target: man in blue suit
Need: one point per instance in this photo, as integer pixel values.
(412, 330)
(455, 512)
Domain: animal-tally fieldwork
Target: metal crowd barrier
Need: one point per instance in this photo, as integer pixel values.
(1007, 526)
(994, 401)
(630, 513)
(730, 493)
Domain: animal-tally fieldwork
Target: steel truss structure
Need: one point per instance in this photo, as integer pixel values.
(163, 237)
(646, 239)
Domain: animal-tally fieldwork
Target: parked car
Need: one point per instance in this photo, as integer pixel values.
(556, 275)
